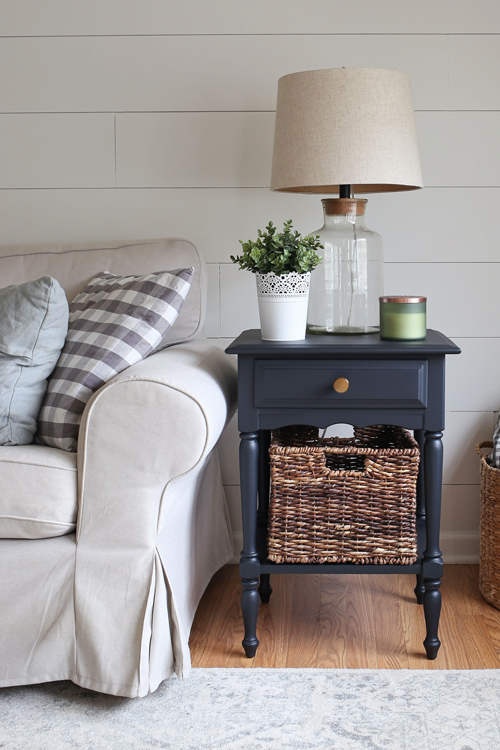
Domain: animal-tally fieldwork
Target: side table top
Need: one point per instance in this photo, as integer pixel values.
(250, 342)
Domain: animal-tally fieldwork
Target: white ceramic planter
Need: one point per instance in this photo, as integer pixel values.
(283, 305)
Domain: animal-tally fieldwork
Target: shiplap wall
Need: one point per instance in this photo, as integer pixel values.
(124, 119)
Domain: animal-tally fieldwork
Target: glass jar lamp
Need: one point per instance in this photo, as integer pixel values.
(346, 286)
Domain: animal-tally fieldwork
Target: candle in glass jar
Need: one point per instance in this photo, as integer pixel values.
(403, 318)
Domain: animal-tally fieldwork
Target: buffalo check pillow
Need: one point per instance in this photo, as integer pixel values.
(114, 322)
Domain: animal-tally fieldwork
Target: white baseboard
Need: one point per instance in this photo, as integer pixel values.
(237, 546)
(459, 547)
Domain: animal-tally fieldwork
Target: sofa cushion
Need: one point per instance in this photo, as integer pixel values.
(33, 325)
(38, 496)
(114, 322)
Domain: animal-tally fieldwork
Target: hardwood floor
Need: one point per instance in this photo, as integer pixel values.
(350, 621)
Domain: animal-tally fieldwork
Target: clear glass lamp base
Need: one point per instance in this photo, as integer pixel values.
(347, 284)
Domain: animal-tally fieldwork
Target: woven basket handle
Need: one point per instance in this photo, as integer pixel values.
(484, 444)
(331, 471)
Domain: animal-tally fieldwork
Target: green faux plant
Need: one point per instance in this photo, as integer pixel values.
(281, 252)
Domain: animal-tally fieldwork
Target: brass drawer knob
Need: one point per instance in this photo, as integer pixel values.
(341, 385)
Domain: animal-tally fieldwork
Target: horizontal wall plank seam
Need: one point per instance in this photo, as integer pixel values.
(252, 34)
(442, 262)
(37, 113)
(239, 187)
(245, 187)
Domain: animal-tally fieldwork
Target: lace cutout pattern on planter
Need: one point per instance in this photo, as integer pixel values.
(290, 285)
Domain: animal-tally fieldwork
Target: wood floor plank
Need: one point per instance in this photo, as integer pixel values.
(461, 586)
(274, 624)
(224, 627)
(304, 624)
(491, 619)
(412, 622)
(331, 651)
(480, 647)
(355, 621)
(361, 644)
(388, 623)
(453, 653)
(218, 596)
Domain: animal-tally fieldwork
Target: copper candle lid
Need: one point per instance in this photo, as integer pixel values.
(398, 298)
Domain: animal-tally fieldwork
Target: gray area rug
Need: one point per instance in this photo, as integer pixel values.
(264, 709)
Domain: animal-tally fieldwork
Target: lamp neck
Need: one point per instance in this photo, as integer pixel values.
(341, 210)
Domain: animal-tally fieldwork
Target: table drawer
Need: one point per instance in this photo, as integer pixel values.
(358, 383)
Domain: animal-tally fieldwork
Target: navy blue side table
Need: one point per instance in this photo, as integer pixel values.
(326, 380)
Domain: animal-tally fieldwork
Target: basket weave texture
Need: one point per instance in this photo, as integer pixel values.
(343, 500)
(489, 529)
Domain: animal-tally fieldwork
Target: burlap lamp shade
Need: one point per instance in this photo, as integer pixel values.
(346, 126)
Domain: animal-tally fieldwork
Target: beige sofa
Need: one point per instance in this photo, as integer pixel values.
(115, 544)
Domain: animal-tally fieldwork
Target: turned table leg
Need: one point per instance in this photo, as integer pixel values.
(420, 438)
(249, 561)
(433, 561)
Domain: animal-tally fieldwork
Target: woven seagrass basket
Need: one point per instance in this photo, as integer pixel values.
(489, 528)
(343, 500)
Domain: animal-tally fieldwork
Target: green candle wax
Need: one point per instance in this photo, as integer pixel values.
(402, 320)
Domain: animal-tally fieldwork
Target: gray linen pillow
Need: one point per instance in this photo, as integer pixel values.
(33, 325)
(114, 322)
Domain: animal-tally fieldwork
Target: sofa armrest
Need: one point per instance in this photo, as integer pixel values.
(154, 421)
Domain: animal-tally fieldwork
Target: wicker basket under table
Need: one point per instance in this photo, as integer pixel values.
(489, 528)
(343, 500)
